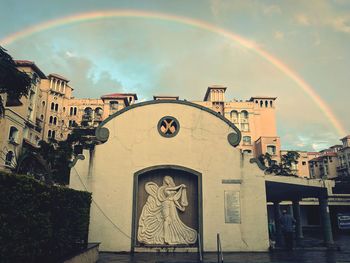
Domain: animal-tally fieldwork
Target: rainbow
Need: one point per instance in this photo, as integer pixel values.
(103, 14)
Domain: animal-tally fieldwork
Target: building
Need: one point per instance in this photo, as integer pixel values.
(22, 123)
(168, 175)
(255, 118)
(343, 168)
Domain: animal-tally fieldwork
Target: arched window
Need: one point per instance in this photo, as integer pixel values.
(261, 103)
(9, 158)
(50, 119)
(64, 109)
(43, 103)
(52, 106)
(75, 110)
(71, 111)
(49, 133)
(56, 107)
(270, 103)
(98, 111)
(53, 134)
(234, 116)
(266, 103)
(244, 114)
(88, 111)
(42, 116)
(13, 134)
(55, 120)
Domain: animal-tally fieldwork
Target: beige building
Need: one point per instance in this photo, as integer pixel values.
(22, 123)
(255, 118)
(343, 168)
(168, 175)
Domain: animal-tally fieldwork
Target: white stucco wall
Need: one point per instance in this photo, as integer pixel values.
(201, 144)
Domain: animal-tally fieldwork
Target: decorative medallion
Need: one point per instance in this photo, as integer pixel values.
(168, 126)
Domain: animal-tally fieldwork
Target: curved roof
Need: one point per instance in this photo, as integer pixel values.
(181, 102)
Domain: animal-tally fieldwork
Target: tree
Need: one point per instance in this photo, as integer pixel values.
(282, 168)
(13, 82)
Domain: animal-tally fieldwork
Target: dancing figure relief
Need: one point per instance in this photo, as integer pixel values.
(159, 223)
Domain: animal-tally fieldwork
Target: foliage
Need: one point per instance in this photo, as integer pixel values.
(12, 81)
(282, 168)
(40, 223)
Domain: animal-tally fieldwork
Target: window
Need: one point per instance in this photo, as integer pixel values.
(56, 107)
(64, 109)
(270, 103)
(271, 149)
(75, 110)
(247, 140)
(9, 158)
(261, 103)
(13, 134)
(43, 103)
(303, 163)
(53, 134)
(52, 106)
(234, 116)
(266, 103)
(42, 116)
(113, 105)
(245, 126)
(50, 119)
(71, 111)
(244, 114)
(49, 133)
(55, 120)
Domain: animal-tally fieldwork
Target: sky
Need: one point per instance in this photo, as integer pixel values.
(153, 54)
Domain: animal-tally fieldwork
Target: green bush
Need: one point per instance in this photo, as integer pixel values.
(40, 223)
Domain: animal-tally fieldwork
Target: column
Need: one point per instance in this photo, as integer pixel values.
(298, 226)
(277, 215)
(325, 221)
(51, 83)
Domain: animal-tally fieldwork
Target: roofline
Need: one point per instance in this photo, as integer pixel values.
(121, 94)
(181, 102)
(262, 97)
(58, 76)
(31, 64)
(210, 88)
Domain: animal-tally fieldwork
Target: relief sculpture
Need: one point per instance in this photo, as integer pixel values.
(159, 223)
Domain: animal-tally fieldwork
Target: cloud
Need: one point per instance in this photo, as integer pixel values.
(302, 19)
(278, 35)
(341, 24)
(271, 9)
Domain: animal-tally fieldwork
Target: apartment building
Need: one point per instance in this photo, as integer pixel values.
(22, 123)
(255, 118)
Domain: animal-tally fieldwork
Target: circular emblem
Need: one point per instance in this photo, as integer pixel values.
(168, 126)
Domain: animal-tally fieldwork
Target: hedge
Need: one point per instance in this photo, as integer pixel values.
(40, 223)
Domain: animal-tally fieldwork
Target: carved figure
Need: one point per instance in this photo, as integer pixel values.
(159, 223)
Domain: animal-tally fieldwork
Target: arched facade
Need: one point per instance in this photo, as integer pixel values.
(221, 184)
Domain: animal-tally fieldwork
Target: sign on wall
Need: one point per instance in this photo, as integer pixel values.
(232, 207)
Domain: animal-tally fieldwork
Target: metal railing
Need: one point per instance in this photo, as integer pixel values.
(219, 249)
(200, 252)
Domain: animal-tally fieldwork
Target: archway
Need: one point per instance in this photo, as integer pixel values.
(191, 217)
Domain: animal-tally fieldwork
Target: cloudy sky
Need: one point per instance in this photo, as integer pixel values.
(150, 54)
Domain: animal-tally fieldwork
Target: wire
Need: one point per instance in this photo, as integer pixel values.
(103, 213)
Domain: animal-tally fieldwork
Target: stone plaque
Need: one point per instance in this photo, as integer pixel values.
(232, 207)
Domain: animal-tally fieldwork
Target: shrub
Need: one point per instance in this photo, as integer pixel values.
(40, 223)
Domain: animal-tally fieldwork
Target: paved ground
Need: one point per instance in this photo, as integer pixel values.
(317, 255)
